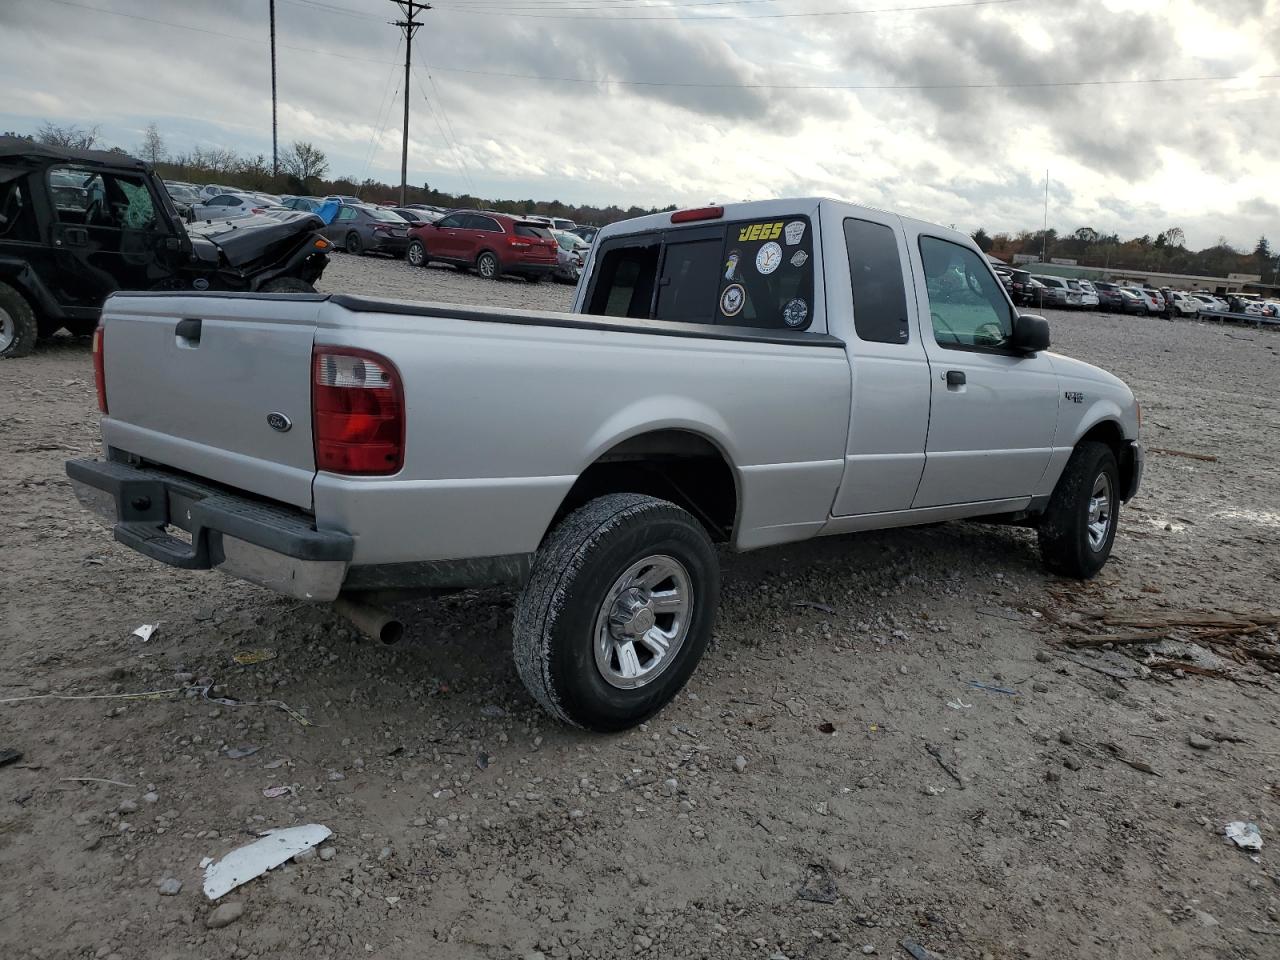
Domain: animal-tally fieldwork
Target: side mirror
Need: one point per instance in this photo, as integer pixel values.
(1030, 333)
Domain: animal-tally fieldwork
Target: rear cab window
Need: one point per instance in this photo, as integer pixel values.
(747, 273)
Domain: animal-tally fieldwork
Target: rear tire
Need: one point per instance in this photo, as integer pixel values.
(354, 245)
(18, 328)
(1078, 528)
(487, 266)
(416, 255)
(617, 612)
(287, 285)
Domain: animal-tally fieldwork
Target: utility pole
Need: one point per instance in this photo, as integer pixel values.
(275, 145)
(1044, 237)
(409, 26)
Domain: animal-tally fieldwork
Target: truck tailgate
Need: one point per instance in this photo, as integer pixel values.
(219, 387)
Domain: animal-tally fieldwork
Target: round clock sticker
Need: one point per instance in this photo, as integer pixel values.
(769, 258)
(795, 313)
(733, 300)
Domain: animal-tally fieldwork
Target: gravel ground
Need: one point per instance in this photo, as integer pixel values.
(829, 783)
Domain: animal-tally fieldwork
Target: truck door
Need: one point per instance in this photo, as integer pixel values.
(885, 455)
(993, 411)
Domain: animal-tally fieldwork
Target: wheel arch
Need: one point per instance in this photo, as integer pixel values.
(673, 462)
(1108, 431)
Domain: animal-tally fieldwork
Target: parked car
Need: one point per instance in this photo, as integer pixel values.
(416, 215)
(211, 190)
(1183, 303)
(1154, 299)
(228, 206)
(1109, 298)
(344, 198)
(1054, 292)
(78, 225)
(1209, 303)
(184, 196)
(361, 228)
(1132, 301)
(1088, 294)
(1020, 286)
(309, 204)
(1077, 295)
(492, 243)
(594, 459)
(571, 256)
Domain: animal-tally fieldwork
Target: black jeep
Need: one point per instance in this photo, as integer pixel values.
(78, 225)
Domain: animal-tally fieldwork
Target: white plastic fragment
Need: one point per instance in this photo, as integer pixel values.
(1246, 835)
(145, 631)
(253, 860)
(958, 704)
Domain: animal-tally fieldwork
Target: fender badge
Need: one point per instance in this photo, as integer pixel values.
(278, 421)
(1074, 396)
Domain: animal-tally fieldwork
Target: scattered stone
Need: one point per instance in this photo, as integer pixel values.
(307, 854)
(1071, 763)
(1044, 656)
(128, 806)
(1065, 737)
(224, 915)
(336, 775)
(150, 797)
(868, 949)
(1039, 687)
(1197, 742)
(492, 711)
(740, 763)
(169, 887)
(327, 853)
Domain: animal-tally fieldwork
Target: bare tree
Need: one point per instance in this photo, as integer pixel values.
(152, 149)
(1174, 237)
(71, 136)
(304, 161)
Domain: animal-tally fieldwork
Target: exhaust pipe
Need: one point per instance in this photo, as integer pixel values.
(374, 622)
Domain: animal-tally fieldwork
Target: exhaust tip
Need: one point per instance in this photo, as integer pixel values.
(392, 632)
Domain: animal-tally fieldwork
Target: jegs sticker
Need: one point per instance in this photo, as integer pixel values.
(733, 300)
(731, 266)
(795, 313)
(768, 258)
(795, 231)
(761, 231)
(799, 258)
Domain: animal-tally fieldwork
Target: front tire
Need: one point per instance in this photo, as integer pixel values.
(617, 612)
(18, 327)
(354, 245)
(1078, 528)
(416, 255)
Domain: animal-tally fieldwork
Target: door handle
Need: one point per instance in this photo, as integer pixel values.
(188, 331)
(955, 378)
(76, 236)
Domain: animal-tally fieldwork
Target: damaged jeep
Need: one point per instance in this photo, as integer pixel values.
(78, 225)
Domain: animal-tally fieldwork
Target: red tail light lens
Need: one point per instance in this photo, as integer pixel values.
(99, 366)
(357, 412)
(701, 213)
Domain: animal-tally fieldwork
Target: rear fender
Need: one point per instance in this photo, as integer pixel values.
(653, 414)
(18, 274)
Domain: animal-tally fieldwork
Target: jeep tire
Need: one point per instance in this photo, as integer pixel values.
(18, 328)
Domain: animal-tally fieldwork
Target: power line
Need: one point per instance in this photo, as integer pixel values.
(711, 18)
(450, 143)
(384, 112)
(444, 112)
(408, 26)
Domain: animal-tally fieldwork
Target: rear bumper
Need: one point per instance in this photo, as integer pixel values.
(389, 244)
(531, 269)
(269, 544)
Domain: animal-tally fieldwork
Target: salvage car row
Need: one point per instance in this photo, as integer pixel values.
(1038, 290)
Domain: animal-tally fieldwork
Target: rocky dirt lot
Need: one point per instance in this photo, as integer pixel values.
(831, 782)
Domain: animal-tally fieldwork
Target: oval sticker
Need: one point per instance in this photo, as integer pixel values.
(279, 422)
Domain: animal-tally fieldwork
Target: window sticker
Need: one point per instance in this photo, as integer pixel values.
(795, 313)
(764, 231)
(731, 266)
(768, 258)
(733, 300)
(795, 231)
(799, 258)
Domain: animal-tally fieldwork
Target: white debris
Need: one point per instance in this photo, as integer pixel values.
(1246, 835)
(274, 848)
(958, 704)
(145, 631)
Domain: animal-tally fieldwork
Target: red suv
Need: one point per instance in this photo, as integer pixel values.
(493, 243)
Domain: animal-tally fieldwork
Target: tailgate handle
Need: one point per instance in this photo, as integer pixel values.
(188, 331)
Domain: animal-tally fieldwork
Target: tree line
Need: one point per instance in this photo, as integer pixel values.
(304, 170)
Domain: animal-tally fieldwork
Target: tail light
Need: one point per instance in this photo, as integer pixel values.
(516, 243)
(258, 210)
(357, 412)
(701, 213)
(99, 366)
(381, 228)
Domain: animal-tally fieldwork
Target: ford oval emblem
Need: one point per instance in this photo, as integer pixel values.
(279, 422)
(200, 283)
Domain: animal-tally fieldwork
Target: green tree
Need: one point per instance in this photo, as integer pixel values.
(984, 242)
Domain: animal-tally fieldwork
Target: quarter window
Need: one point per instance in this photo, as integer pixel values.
(966, 304)
(875, 272)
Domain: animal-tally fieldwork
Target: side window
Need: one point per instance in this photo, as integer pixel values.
(766, 276)
(966, 304)
(75, 194)
(690, 281)
(487, 224)
(139, 212)
(623, 285)
(875, 273)
(346, 213)
(17, 218)
(451, 222)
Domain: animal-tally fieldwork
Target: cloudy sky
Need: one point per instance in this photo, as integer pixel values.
(952, 115)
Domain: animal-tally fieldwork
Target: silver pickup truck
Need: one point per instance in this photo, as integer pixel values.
(751, 374)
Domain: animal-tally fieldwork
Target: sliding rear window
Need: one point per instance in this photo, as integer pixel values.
(750, 273)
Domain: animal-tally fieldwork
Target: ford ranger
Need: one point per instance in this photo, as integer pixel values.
(748, 374)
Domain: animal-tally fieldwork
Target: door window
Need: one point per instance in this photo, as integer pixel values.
(347, 213)
(966, 303)
(451, 222)
(17, 218)
(476, 222)
(624, 282)
(875, 272)
(104, 202)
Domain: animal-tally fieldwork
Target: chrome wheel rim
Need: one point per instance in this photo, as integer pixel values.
(487, 267)
(643, 622)
(1101, 510)
(8, 330)
(415, 255)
